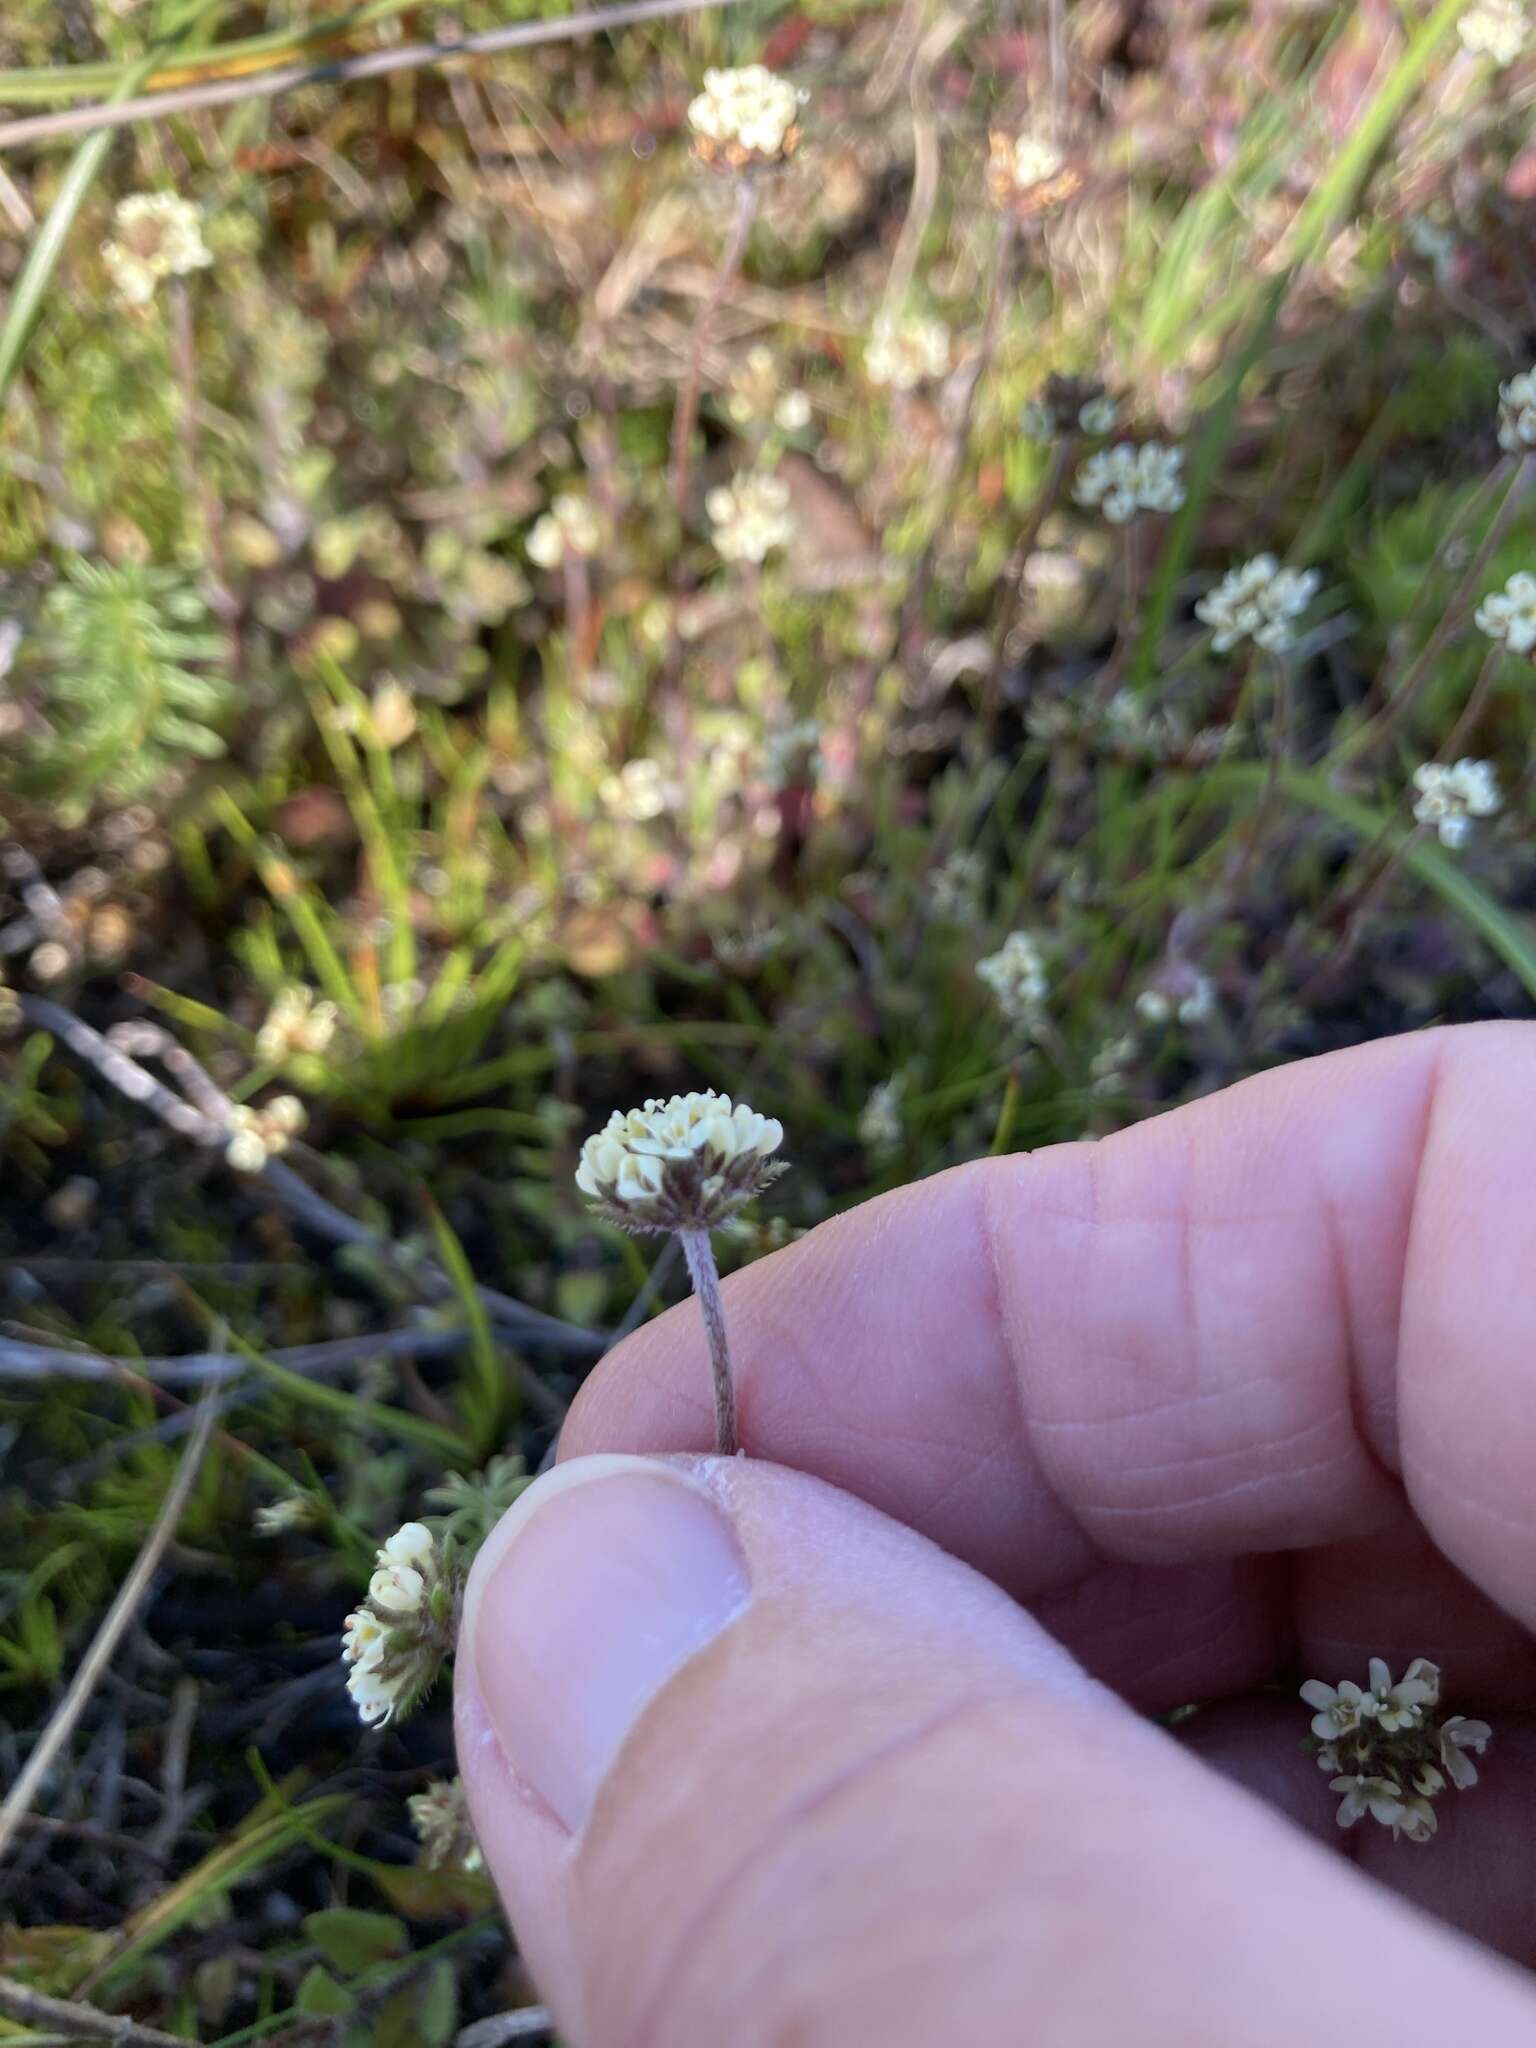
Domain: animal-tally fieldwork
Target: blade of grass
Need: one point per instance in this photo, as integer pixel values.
(490, 1394)
(353, 1409)
(1511, 937)
(1331, 199)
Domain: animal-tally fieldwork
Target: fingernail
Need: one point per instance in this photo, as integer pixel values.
(606, 1577)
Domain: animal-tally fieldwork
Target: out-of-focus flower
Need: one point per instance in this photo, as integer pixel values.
(396, 1642)
(744, 117)
(1259, 601)
(155, 235)
(880, 1126)
(683, 1164)
(278, 1517)
(903, 353)
(1016, 975)
(257, 1135)
(1517, 413)
(792, 413)
(750, 517)
(1510, 614)
(1496, 29)
(1451, 796)
(570, 527)
(956, 884)
(1457, 1736)
(440, 1816)
(1027, 174)
(1433, 243)
(296, 1023)
(1124, 480)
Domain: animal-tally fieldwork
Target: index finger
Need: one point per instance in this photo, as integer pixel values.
(1246, 1325)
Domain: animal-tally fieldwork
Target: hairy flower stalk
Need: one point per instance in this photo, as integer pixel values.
(686, 1165)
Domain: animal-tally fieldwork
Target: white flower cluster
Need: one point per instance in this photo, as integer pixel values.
(686, 1163)
(296, 1023)
(1496, 29)
(1124, 480)
(744, 116)
(956, 885)
(1016, 975)
(569, 527)
(154, 235)
(1387, 1754)
(1510, 614)
(756, 394)
(1258, 601)
(906, 352)
(1517, 413)
(1452, 795)
(395, 1643)
(750, 517)
(257, 1135)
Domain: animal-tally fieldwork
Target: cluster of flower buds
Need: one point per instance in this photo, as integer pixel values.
(1495, 28)
(1517, 413)
(154, 235)
(1259, 601)
(686, 1164)
(1452, 794)
(569, 527)
(1016, 975)
(750, 516)
(1510, 614)
(1124, 480)
(257, 1135)
(905, 352)
(396, 1643)
(296, 1023)
(1387, 1752)
(745, 118)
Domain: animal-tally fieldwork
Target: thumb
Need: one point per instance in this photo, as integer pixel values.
(752, 1763)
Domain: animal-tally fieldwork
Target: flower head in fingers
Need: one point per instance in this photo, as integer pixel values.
(686, 1163)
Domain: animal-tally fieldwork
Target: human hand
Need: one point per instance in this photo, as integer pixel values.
(802, 1747)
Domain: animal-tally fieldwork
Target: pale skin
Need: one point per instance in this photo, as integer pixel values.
(1243, 1395)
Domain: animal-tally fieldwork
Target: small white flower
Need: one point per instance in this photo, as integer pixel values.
(1457, 1736)
(1258, 601)
(411, 1544)
(955, 886)
(570, 526)
(1432, 243)
(1124, 480)
(1016, 976)
(1153, 1007)
(245, 1152)
(1378, 1797)
(905, 353)
(154, 235)
(1496, 29)
(744, 116)
(1517, 413)
(397, 1588)
(440, 1816)
(1451, 796)
(1510, 614)
(750, 517)
(1340, 1708)
(1402, 1705)
(296, 1023)
(686, 1163)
